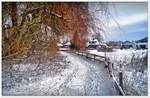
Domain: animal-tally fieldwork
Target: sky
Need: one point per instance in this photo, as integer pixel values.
(132, 19)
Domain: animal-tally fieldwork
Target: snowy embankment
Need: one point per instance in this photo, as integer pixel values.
(134, 69)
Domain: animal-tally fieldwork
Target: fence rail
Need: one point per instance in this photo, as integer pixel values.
(109, 66)
(92, 56)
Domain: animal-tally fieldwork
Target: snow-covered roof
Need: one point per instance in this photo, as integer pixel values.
(127, 43)
(142, 43)
(103, 44)
(68, 43)
(93, 42)
(59, 44)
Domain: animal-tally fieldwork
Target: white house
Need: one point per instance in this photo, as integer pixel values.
(127, 44)
(92, 43)
(142, 44)
(139, 44)
(59, 45)
(67, 44)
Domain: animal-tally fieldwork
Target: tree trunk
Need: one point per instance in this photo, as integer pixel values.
(14, 13)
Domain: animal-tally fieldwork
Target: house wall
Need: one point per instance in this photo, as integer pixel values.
(141, 45)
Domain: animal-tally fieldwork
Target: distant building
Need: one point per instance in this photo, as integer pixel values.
(64, 46)
(59, 45)
(127, 45)
(67, 44)
(139, 44)
(92, 43)
(142, 44)
(115, 44)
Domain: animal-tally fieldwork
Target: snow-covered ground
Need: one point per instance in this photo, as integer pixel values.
(91, 77)
(135, 81)
(121, 54)
(68, 74)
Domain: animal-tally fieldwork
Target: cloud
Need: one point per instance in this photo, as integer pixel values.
(129, 32)
(129, 20)
(132, 18)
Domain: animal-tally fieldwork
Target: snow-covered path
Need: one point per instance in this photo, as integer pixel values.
(81, 77)
(91, 78)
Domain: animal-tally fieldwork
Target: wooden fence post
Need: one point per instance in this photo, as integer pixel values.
(107, 64)
(111, 69)
(86, 55)
(112, 66)
(105, 56)
(120, 80)
(78, 53)
(121, 77)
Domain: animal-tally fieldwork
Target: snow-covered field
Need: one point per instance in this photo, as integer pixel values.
(121, 54)
(68, 74)
(71, 74)
(134, 69)
(28, 78)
